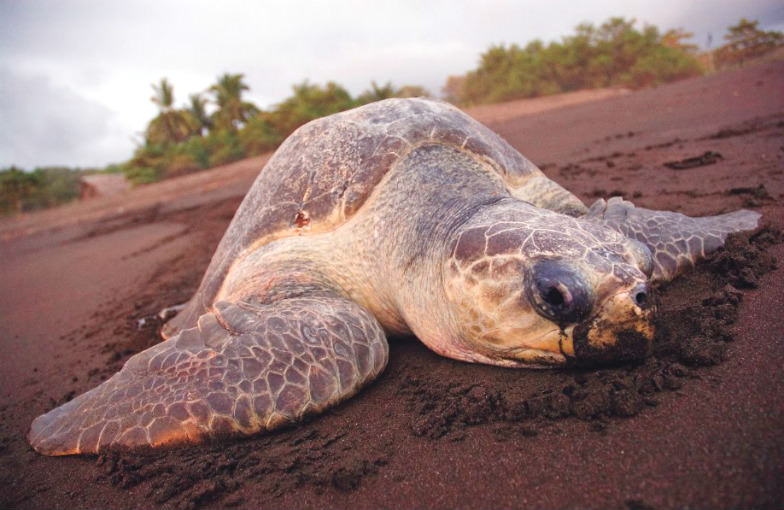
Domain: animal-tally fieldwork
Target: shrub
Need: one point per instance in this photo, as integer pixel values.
(745, 41)
(142, 175)
(197, 149)
(260, 135)
(309, 102)
(180, 164)
(16, 188)
(225, 147)
(615, 53)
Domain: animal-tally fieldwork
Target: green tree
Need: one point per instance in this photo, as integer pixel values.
(56, 185)
(179, 141)
(677, 39)
(197, 108)
(615, 53)
(494, 75)
(170, 125)
(576, 62)
(746, 41)
(377, 93)
(225, 147)
(310, 102)
(147, 164)
(232, 112)
(412, 91)
(260, 134)
(386, 91)
(16, 186)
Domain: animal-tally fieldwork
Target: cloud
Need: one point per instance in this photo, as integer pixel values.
(81, 70)
(46, 124)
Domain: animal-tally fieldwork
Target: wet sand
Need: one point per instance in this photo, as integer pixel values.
(697, 425)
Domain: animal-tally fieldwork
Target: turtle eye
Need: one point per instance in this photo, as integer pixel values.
(558, 292)
(557, 295)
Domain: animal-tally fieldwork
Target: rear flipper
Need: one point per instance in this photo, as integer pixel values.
(243, 369)
(676, 241)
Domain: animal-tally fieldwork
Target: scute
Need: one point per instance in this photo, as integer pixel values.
(324, 172)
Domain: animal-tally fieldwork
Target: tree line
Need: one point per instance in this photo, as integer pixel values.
(613, 54)
(219, 125)
(187, 139)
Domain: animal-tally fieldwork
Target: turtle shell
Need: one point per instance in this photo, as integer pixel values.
(325, 171)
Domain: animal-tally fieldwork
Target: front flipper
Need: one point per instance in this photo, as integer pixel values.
(245, 368)
(676, 241)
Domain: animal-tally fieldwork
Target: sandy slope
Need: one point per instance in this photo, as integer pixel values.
(432, 432)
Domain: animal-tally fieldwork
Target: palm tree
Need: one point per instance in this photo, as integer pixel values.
(164, 95)
(378, 93)
(198, 112)
(232, 111)
(170, 125)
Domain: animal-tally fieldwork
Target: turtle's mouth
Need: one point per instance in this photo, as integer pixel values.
(548, 348)
(630, 343)
(622, 330)
(536, 358)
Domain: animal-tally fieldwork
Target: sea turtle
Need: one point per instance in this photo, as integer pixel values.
(402, 216)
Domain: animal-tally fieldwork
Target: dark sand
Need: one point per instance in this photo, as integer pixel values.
(700, 424)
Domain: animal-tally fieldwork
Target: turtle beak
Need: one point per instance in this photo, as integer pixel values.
(622, 330)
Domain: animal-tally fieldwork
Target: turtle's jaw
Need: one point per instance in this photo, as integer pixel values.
(552, 350)
(550, 346)
(622, 330)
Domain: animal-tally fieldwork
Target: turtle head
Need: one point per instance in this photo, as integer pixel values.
(549, 290)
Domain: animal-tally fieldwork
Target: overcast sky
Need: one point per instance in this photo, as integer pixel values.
(75, 75)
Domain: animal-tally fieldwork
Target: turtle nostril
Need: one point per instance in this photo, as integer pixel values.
(640, 296)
